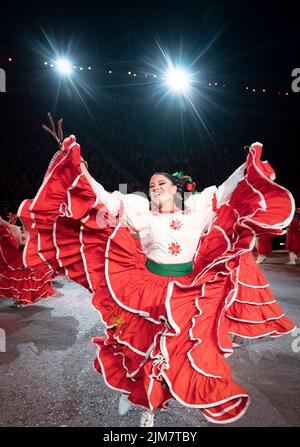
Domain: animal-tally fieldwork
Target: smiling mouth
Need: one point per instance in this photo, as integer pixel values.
(157, 194)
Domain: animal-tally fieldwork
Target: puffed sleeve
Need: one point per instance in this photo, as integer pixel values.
(136, 212)
(206, 202)
(225, 190)
(132, 209)
(112, 201)
(202, 204)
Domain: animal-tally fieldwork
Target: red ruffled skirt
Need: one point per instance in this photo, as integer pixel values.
(23, 285)
(166, 337)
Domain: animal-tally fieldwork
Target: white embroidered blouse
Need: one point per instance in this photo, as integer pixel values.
(169, 238)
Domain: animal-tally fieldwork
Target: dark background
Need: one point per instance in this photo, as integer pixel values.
(127, 127)
(258, 40)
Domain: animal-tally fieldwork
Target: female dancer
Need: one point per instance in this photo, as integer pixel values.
(263, 242)
(292, 243)
(171, 300)
(264, 248)
(22, 285)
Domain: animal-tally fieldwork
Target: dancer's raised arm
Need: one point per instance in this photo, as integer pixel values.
(131, 209)
(16, 231)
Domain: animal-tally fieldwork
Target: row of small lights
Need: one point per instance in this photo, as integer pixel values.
(110, 71)
(249, 89)
(89, 68)
(146, 75)
(74, 66)
(52, 65)
(264, 91)
(214, 84)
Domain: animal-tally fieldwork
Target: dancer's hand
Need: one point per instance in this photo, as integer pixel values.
(84, 166)
(3, 222)
(16, 232)
(84, 162)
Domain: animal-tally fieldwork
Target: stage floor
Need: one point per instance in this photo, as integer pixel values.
(47, 376)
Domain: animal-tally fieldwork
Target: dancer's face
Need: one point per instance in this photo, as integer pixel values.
(161, 190)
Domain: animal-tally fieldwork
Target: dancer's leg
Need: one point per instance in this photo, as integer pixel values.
(124, 404)
(260, 259)
(292, 257)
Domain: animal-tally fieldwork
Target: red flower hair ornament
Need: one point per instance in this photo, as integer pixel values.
(185, 182)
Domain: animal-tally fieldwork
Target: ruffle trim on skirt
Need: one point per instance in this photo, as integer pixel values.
(165, 337)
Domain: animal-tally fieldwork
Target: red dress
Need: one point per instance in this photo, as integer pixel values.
(23, 285)
(264, 245)
(166, 337)
(292, 242)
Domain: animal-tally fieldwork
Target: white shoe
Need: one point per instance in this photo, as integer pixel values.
(260, 259)
(147, 419)
(293, 257)
(124, 404)
(16, 305)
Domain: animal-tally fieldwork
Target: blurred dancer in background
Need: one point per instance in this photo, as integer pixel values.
(292, 243)
(23, 285)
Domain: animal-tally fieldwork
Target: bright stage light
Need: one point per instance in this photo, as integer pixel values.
(178, 80)
(63, 66)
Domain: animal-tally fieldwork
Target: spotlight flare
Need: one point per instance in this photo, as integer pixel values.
(178, 80)
(64, 66)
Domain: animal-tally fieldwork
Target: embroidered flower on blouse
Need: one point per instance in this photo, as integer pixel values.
(174, 248)
(117, 320)
(176, 224)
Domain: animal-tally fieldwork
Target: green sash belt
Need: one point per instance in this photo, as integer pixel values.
(169, 269)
